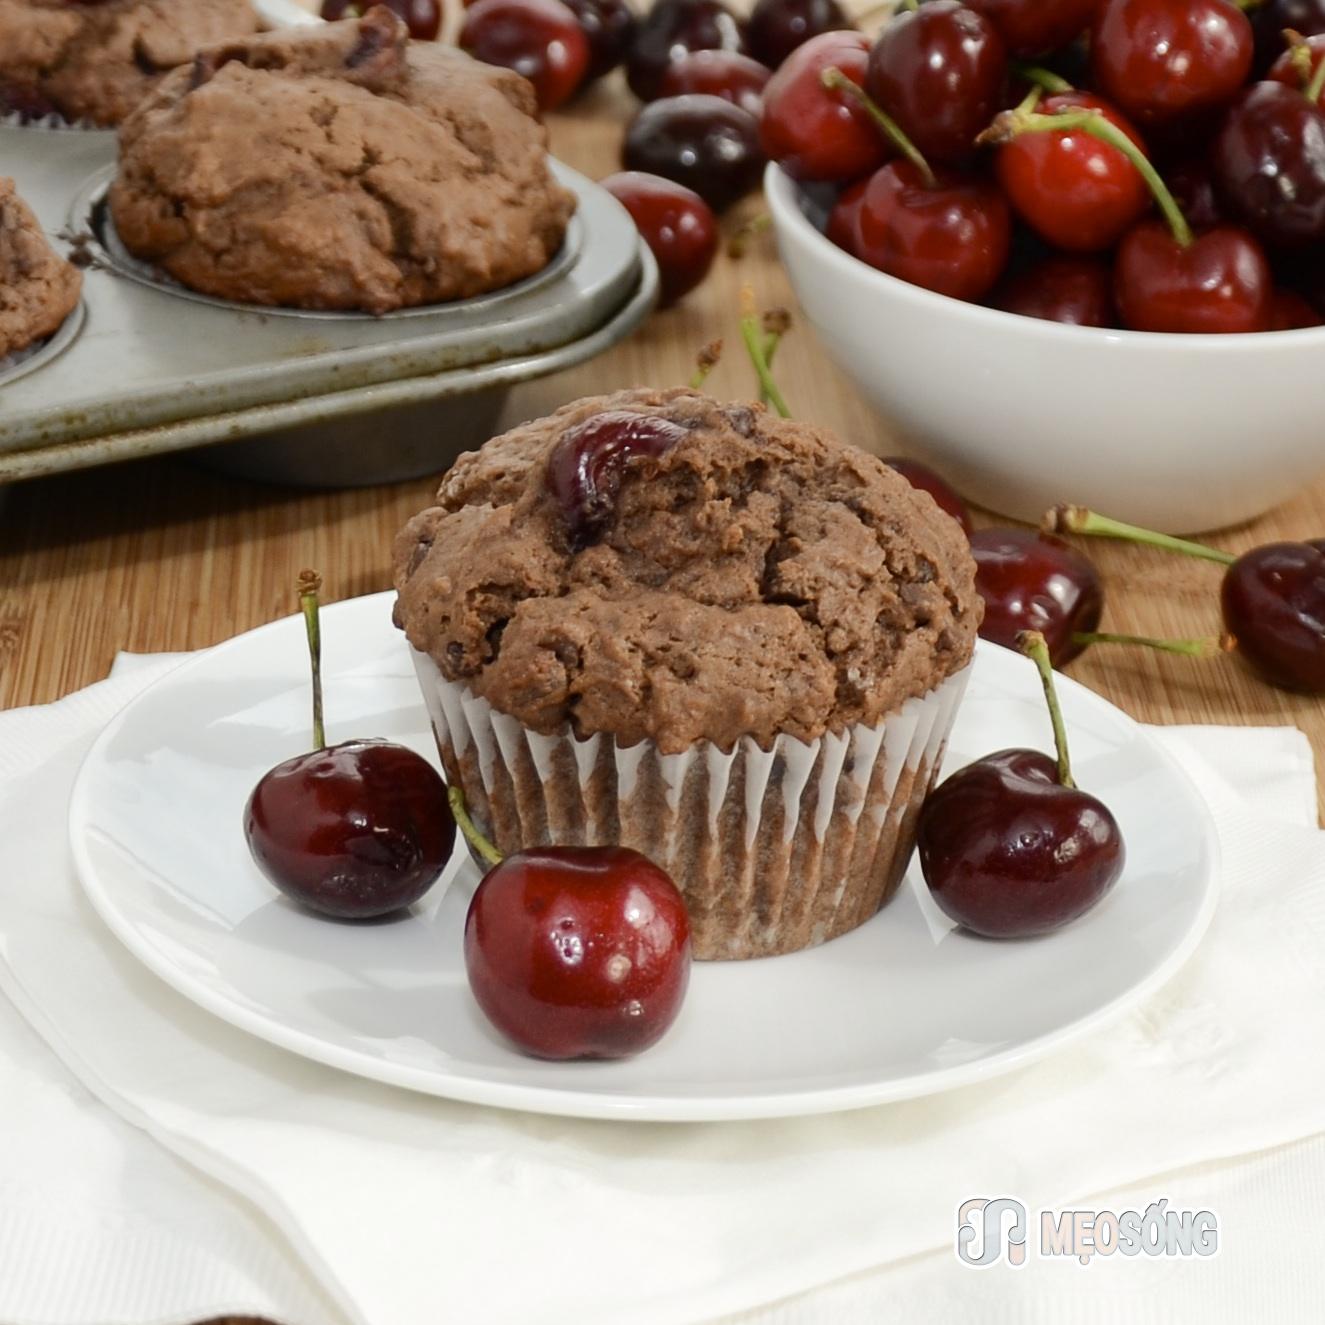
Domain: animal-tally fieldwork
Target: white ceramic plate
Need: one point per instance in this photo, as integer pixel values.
(904, 1006)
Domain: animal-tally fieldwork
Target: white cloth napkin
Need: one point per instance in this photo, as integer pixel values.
(407, 1209)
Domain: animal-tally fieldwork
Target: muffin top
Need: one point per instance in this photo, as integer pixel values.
(38, 288)
(97, 61)
(340, 167)
(654, 564)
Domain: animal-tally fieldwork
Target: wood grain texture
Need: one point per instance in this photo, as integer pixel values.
(159, 555)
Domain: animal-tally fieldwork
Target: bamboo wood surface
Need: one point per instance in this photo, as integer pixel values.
(160, 554)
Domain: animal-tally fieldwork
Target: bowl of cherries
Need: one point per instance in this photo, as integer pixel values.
(1071, 245)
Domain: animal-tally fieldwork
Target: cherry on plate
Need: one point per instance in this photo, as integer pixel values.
(814, 132)
(702, 142)
(540, 39)
(927, 480)
(676, 223)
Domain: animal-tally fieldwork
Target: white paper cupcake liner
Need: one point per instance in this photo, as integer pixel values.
(774, 850)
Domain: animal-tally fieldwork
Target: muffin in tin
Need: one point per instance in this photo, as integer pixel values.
(94, 62)
(732, 642)
(38, 288)
(340, 167)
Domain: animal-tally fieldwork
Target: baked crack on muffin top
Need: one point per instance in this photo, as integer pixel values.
(96, 61)
(38, 288)
(340, 167)
(757, 577)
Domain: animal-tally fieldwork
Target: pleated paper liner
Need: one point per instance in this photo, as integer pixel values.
(775, 850)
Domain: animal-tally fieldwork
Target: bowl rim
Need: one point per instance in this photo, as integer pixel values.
(784, 203)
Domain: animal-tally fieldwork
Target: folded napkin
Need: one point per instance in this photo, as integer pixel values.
(409, 1209)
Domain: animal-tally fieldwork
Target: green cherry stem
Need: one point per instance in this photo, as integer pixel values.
(1033, 645)
(1045, 79)
(460, 813)
(1079, 520)
(705, 363)
(836, 81)
(1317, 84)
(310, 585)
(1012, 123)
(752, 332)
(1186, 648)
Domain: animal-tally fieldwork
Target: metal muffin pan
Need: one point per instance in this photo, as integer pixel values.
(148, 366)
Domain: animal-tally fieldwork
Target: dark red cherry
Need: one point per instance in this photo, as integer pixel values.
(1162, 59)
(1076, 192)
(1008, 851)
(1298, 63)
(609, 27)
(355, 830)
(1036, 27)
(727, 74)
(540, 39)
(1272, 19)
(422, 17)
(704, 143)
(778, 27)
(951, 236)
(843, 226)
(1269, 163)
(922, 477)
(676, 223)
(578, 952)
(814, 133)
(1289, 311)
(673, 28)
(939, 71)
(1192, 184)
(1219, 283)
(1075, 290)
(1033, 581)
(585, 469)
(1274, 606)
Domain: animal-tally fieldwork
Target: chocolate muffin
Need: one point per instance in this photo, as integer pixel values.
(38, 288)
(96, 61)
(340, 167)
(730, 641)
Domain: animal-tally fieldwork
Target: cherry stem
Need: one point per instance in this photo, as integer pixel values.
(752, 332)
(1317, 84)
(310, 585)
(1012, 123)
(460, 813)
(1078, 520)
(776, 324)
(1209, 647)
(1033, 645)
(1045, 79)
(836, 81)
(740, 241)
(706, 362)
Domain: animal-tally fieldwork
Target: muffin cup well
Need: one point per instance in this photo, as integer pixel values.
(774, 850)
(18, 120)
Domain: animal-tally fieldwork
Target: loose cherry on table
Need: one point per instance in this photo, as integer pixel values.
(1009, 846)
(778, 27)
(703, 142)
(939, 71)
(422, 17)
(815, 132)
(540, 39)
(671, 29)
(1269, 161)
(1036, 27)
(927, 480)
(676, 223)
(1073, 289)
(727, 74)
(1075, 190)
(609, 28)
(1165, 59)
(1273, 598)
(1033, 581)
(575, 952)
(354, 830)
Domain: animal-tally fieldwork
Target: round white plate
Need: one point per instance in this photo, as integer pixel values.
(904, 1006)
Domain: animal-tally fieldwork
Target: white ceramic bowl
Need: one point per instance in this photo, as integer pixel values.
(1180, 433)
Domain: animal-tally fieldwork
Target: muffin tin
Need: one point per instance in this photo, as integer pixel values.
(337, 399)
